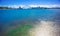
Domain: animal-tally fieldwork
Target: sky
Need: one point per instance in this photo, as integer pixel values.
(29, 2)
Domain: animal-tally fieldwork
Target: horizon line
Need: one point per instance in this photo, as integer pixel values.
(28, 6)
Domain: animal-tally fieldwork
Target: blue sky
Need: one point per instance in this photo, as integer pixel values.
(28, 2)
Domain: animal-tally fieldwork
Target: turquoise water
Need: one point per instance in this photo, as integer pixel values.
(9, 15)
(15, 18)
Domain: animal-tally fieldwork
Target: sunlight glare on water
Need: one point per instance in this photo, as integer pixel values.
(44, 28)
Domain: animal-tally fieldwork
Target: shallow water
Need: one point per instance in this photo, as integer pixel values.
(15, 22)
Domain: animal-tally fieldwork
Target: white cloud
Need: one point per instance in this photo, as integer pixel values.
(49, 6)
(33, 5)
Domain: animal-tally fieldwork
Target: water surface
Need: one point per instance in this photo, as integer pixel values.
(13, 21)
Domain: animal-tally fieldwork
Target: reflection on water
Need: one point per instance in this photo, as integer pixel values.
(45, 28)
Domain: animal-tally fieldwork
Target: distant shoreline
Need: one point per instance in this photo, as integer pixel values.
(23, 9)
(10, 8)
